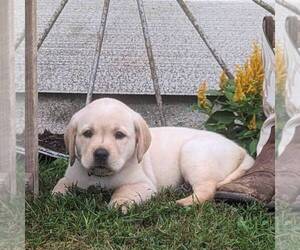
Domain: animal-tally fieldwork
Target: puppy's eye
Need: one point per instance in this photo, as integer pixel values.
(119, 135)
(88, 134)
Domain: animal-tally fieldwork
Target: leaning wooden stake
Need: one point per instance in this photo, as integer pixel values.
(31, 97)
(7, 101)
(205, 38)
(51, 22)
(97, 54)
(48, 28)
(151, 62)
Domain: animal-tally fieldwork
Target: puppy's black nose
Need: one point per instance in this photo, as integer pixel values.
(101, 154)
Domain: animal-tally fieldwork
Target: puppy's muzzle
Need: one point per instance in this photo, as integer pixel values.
(101, 155)
(100, 168)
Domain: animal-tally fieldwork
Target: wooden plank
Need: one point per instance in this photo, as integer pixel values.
(7, 99)
(31, 96)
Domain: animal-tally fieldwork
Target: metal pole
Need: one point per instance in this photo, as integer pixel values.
(205, 39)
(151, 62)
(265, 5)
(31, 96)
(95, 64)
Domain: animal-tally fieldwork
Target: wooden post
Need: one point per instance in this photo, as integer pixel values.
(7, 100)
(31, 97)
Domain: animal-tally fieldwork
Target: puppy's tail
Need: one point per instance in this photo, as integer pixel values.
(246, 163)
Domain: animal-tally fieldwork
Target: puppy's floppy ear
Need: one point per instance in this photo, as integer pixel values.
(143, 137)
(69, 137)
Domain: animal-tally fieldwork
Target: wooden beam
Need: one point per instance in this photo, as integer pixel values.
(7, 100)
(31, 96)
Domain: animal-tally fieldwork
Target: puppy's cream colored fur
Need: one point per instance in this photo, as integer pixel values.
(146, 159)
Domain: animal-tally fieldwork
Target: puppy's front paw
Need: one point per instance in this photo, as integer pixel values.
(62, 187)
(184, 202)
(59, 190)
(122, 204)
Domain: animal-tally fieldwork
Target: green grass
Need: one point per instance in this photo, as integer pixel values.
(82, 220)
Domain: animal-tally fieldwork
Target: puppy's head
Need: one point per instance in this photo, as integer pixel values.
(105, 135)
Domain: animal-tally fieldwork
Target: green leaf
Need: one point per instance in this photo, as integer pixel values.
(225, 117)
(247, 134)
(217, 127)
(252, 147)
(214, 92)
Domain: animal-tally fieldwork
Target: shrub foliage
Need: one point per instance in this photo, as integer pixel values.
(236, 110)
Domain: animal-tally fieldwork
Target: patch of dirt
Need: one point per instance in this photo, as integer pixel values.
(47, 140)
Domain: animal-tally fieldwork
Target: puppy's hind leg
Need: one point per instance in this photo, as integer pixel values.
(201, 193)
(199, 167)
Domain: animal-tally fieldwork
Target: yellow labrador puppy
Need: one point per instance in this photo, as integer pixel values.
(111, 145)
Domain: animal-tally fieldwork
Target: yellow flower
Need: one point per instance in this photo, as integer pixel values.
(252, 124)
(239, 94)
(280, 70)
(256, 66)
(202, 100)
(223, 80)
(249, 77)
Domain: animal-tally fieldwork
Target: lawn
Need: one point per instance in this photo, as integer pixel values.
(82, 220)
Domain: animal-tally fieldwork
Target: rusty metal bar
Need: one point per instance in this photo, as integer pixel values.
(205, 39)
(151, 62)
(51, 22)
(44, 151)
(96, 60)
(289, 6)
(31, 96)
(265, 5)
